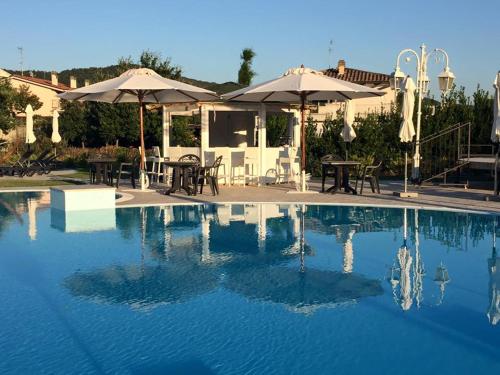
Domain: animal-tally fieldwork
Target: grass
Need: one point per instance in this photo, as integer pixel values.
(22, 183)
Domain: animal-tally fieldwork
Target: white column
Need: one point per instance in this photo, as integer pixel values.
(204, 132)
(262, 142)
(166, 124)
(291, 129)
(296, 128)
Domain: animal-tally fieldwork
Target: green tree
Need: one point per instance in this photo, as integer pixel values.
(7, 94)
(246, 74)
(73, 123)
(23, 97)
(14, 101)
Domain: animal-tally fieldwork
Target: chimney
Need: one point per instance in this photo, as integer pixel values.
(72, 82)
(341, 67)
(53, 79)
(86, 82)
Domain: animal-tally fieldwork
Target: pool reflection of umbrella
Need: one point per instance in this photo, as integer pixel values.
(348, 253)
(401, 275)
(143, 287)
(302, 290)
(32, 207)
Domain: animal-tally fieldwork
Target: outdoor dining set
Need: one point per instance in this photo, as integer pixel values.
(187, 173)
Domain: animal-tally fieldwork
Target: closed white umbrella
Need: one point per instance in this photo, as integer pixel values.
(407, 130)
(298, 86)
(30, 135)
(348, 134)
(56, 137)
(495, 130)
(140, 86)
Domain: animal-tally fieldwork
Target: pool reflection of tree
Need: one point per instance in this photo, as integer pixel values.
(450, 228)
(255, 252)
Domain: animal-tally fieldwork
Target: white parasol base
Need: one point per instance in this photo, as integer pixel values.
(143, 180)
(407, 194)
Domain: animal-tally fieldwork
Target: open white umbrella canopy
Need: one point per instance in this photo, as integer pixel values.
(141, 86)
(348, 134)
(30, 135)
(495, 130)
(56, 137)
(407, 130)
(299, 85)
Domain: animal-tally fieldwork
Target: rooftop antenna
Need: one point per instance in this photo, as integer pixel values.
(21, 59)
(330, 52)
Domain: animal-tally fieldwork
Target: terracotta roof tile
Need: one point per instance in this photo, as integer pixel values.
(361, 77)
(43, 82)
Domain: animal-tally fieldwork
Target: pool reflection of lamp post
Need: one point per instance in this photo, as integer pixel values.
(418, 271)
(493, 312)
(445, 80)
(442, 278)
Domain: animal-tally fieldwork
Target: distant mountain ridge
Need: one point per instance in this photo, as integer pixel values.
(96, 74)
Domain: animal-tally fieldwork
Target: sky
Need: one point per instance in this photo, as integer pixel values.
(205, 37)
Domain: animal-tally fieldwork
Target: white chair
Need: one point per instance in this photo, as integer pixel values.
(285, 169)
(243, 167)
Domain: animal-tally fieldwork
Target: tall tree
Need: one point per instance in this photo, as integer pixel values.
(23, 97)
(14, 101)
(246, 74)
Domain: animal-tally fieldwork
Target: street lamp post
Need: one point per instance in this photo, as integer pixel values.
(445, 79)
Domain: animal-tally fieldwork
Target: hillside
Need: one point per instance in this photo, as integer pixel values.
(95, 74)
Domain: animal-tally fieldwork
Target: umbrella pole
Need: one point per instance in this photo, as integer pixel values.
(495, 189)
(142, 174)
(406, 171)
(303, 142)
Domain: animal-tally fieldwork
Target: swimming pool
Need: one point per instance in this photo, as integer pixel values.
(253, 289)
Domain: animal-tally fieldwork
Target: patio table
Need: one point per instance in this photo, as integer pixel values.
(103, 166)
(342, 172)
(181, 170)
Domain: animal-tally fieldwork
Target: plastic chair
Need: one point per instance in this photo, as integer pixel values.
(211, 176)
(371, 174)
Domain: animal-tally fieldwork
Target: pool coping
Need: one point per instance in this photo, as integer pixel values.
(125, 197)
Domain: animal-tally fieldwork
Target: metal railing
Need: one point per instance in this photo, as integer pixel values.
(445, 151)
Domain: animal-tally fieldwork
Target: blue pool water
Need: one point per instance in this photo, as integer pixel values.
(246, 289)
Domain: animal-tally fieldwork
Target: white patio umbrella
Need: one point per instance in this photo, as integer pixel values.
(140, 86)
(56, 137)
(407, 130)
(348, 134)
(297, 86)
(495, 130)
(30, 135)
